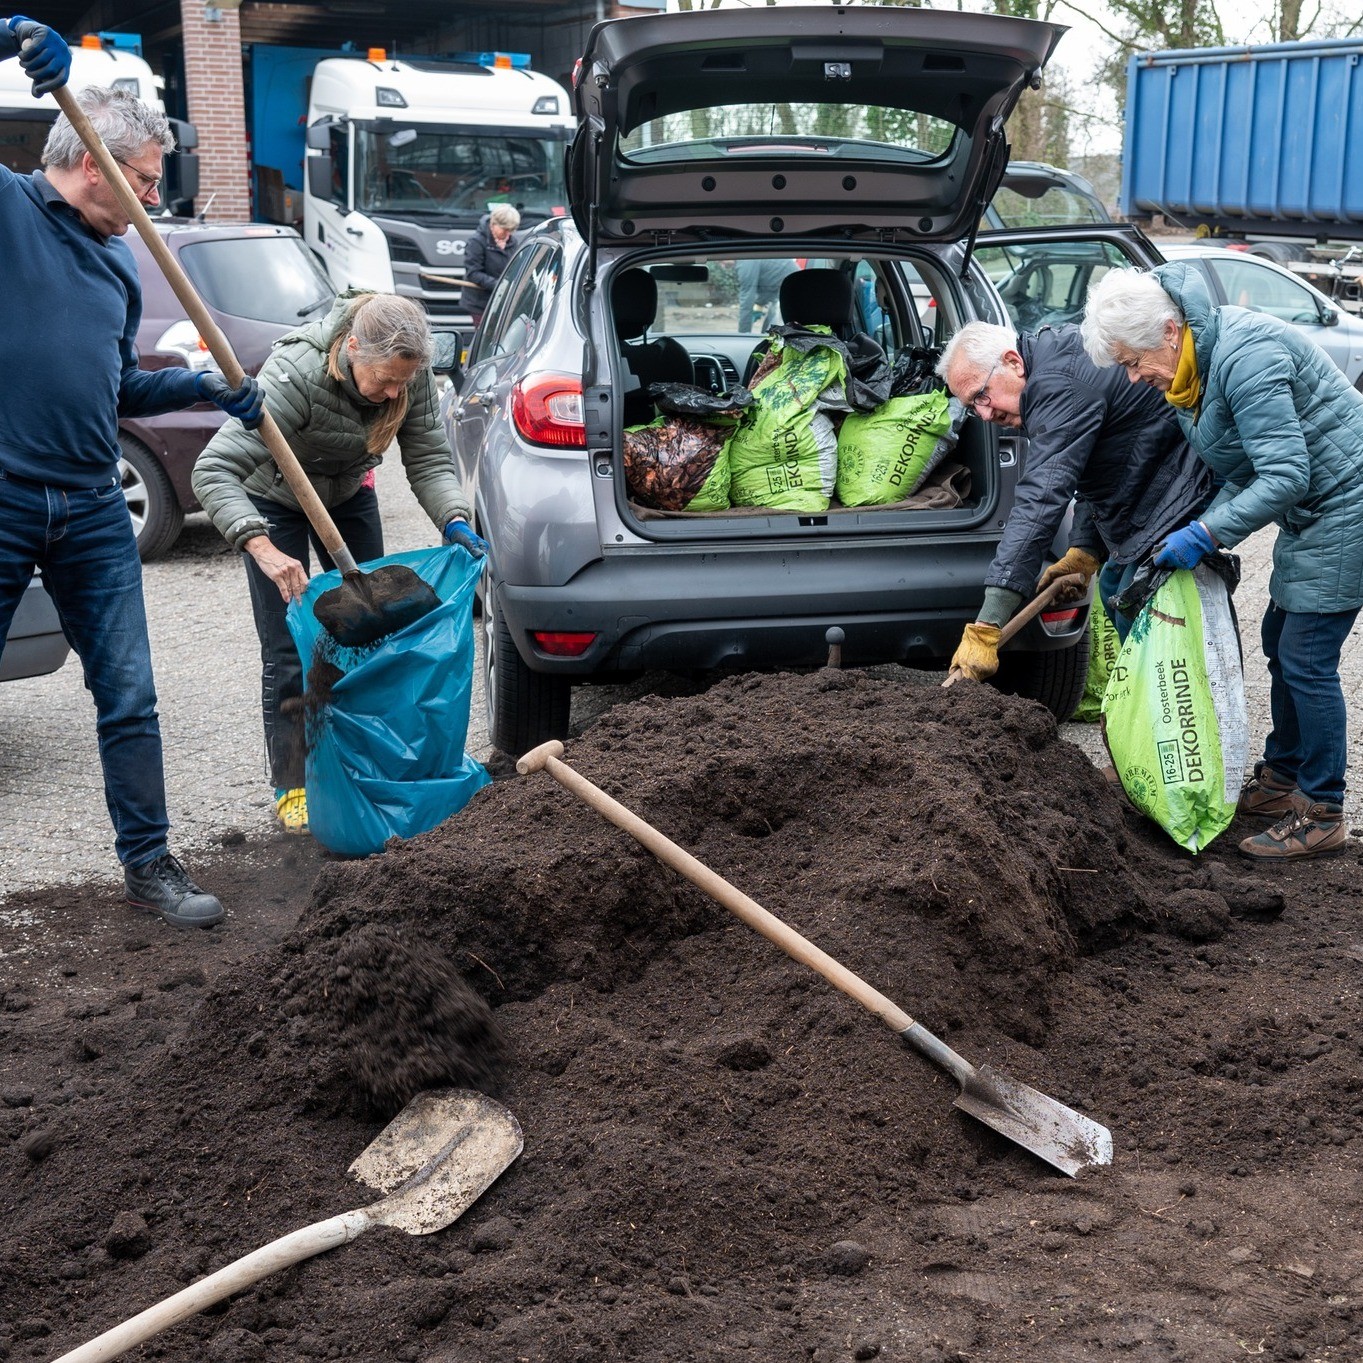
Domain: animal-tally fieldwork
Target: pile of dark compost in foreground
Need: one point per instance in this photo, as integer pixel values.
(724, 1157)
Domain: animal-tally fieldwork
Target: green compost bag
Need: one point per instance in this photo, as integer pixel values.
(1174, 715)
(1103, 649)
(884, 455)
(785, 453)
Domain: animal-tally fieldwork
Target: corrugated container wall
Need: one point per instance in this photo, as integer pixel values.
(1249, 138)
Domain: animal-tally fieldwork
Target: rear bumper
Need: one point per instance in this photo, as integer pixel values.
(749, 610)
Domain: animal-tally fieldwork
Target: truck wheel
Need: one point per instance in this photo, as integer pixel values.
(1279, 252)
(1056, 678)
(152, 504)
(524, 708)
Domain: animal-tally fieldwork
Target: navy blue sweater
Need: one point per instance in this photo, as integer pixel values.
(68, 322)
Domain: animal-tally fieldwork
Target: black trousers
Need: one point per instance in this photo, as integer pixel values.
(281, 669)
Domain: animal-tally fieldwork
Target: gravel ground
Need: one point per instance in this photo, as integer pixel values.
(53, 823)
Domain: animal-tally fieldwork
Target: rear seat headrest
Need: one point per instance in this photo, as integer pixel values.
(634, 303)
(817, 297)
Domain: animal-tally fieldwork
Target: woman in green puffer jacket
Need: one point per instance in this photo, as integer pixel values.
(342, 391)
(1272, 415)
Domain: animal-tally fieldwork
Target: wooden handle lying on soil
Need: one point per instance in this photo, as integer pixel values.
(1029, 612)
(547, 758)
(278, 1254)
(218, 345)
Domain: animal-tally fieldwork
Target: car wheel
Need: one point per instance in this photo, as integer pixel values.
(524, 708)
(1279, 252)
(1056, 678)
(152, 504)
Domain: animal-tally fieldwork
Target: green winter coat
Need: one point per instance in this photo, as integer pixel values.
(326, 424)
(1282, 426)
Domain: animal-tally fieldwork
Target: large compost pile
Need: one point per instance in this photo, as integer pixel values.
(725, 1158)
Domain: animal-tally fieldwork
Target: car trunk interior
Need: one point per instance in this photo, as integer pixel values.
(702, 327)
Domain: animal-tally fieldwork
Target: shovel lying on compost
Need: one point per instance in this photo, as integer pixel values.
(435, 1159)
(1059, 1135)
(1029, 612)
(367, 606)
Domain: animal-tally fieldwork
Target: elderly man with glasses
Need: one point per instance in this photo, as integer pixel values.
(67, 353)
(1093, 437)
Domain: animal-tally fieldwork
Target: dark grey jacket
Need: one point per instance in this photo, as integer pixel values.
(1113, 445)
(484, 262)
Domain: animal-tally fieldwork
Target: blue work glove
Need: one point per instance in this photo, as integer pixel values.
(46, 60)
(462, 534)
(1185, 548)
(245, 403)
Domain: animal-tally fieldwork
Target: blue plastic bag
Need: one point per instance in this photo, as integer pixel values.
(386, 748)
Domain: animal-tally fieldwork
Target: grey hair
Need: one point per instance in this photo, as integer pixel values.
(120, 118)
(387, 327)
(505, 215)
(1127, 308)
(978, 344)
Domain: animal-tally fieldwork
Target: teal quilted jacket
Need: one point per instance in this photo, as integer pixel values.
(1280, 424)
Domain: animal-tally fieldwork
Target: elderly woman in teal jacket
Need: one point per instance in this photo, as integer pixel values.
(1282, 427)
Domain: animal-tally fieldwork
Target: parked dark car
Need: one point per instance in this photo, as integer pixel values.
(258, 282)
(862, 141)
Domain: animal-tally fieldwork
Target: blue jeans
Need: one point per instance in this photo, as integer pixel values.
(83, 541)
(281, 669)
(1308, 742)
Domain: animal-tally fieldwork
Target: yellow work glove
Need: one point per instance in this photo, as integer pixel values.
(1075, 561)
(977, 655)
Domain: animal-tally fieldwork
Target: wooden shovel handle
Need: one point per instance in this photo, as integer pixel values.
(1029, 612)
(218, 345)
(547, 758)
(231, 1278)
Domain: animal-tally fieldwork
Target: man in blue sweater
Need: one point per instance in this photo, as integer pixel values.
(69, 366)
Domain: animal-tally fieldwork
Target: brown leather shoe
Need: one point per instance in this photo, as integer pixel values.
(1309, 830)
(1265, 795)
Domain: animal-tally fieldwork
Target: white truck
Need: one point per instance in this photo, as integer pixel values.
(406, 157)
(24, 121)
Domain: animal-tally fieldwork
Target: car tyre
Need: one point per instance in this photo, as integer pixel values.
(1279, 252)
(152, 504)
(1056, 678)
(524, 708)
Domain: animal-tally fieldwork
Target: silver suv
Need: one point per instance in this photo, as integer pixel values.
(846, 155)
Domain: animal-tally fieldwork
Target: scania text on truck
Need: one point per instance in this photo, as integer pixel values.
(406, 157)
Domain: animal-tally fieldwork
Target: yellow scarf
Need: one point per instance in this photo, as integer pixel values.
(1186, 389)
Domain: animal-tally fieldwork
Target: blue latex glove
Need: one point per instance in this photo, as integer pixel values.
(244, 403)
(46, 60)
(1185, 548)
(462, 534)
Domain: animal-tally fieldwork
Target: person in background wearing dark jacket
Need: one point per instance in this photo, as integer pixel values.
(1092, 436)
(67, 353)
(486, 255)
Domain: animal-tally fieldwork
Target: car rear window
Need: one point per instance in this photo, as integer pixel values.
(826, 131)
(265, 278)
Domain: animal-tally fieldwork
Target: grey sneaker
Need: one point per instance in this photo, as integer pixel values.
(1266, 795)
(163, 887)
(1309, 830)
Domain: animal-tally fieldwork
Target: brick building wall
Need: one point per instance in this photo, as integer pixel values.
(217, 107)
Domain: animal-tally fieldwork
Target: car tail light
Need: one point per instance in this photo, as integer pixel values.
(1060, 619)
(547, 410)
(562, 643)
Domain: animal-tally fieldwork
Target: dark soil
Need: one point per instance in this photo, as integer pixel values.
(724, 1157)
(386, 600)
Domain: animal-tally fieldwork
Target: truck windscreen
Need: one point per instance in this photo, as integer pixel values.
(21, 141)
(458, 173)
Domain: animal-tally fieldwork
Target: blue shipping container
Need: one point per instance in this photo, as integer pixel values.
(1262, 139)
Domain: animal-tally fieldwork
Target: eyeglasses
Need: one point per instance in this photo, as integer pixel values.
(146, 184)
(982, 398)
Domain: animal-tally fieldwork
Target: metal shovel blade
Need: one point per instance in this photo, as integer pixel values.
(436, 1158)
(1064, 1138)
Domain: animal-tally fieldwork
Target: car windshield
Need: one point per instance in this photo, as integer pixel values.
(266, 278)
(822, 130)
(457, 174)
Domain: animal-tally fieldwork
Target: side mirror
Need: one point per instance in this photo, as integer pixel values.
(318, 136)
(1329, 317)
(445, 356)
(319, 177)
